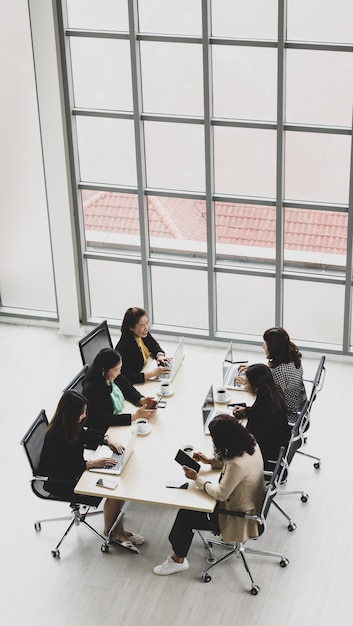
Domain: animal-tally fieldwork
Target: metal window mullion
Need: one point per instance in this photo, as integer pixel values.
(209, 166)
(282, 5)
(140, 153)
(349, 267)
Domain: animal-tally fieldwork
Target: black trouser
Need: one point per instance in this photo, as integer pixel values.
(186, 520)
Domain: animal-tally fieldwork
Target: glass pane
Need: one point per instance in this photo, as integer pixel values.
(167, 16)
(317, 322)
(320, 20)
(244, 81)
(253, 19)
(315, 241)
(114, 287)
(26, 269)
(245, 233)
(175, 156)
(257, 309)
(172, 78)
(177, 227)
(188, 305)
(111, 221)
(101, 73)
(102, 15)
(317, 167)
(319, 87)
(106, 150)
(245, 161)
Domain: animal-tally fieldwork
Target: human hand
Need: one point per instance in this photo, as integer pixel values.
(148, 403)
(242, 368)
(115, 446)
(200, 457)
(239, 411)
(189, 473)
(102, 462)
(143, 412)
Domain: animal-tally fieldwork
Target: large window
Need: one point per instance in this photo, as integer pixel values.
(212, 160)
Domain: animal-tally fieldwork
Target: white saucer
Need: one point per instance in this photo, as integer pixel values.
(223, 401)
(166, 395)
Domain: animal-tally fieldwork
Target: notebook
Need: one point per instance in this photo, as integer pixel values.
(230, 369)
(122, 459)
(209, 411)
(175, 363)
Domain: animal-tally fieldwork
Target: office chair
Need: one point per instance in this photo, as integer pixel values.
(317, 385)
(92, 343)
(77, 382)
(33, 443)
(238, 548)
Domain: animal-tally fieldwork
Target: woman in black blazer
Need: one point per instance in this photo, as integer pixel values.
(136, 344)
(106, 388)
(267, 417)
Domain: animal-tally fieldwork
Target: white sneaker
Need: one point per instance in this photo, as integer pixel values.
(170, 567)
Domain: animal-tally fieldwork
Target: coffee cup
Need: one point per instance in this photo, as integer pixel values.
(189, 449)
(165, 387)
(142, 426)
(221, 395)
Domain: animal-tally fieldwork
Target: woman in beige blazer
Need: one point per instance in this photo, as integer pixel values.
(241, 487)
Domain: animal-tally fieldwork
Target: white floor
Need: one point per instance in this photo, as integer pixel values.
(86, 587)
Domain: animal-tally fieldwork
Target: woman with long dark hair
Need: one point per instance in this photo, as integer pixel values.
(106, 388)
(136, 345)
(284, 360)
(63, 462)
(267, 417)
(240, 488)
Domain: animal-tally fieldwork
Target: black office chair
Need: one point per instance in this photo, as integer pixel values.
(317, 385)
(92, 343)
(76, 383)
(239, 548)
(33, 442)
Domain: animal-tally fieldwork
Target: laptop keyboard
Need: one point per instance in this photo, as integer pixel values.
(118, 458)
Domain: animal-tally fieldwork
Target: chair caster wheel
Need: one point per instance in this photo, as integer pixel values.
(211, 559)
(255, 590)
(37, 526)
(206, 578)
(317, 465)
(55, 553)
(304, 497)
(292, 526)
(104, 547)
(284, 562)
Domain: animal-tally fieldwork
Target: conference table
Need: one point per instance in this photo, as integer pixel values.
(152, 463)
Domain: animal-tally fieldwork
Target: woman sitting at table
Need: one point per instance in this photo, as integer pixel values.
(63, 462)
(136, 344)
(284, 360)
(267, 417)
(240, 488)
(106, 388)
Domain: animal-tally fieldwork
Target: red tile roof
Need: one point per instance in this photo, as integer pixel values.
(236, 224)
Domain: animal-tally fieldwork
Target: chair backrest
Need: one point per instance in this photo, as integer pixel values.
(33, 440)
(77, 382)
(94, 341)
(297, 435)
(318, 382)
(272, 488)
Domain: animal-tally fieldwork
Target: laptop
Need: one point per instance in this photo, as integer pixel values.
(121, 459)
(175, 363)
(209, 411)
(230, 370)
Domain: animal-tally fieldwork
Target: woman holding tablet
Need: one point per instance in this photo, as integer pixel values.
(240, 488)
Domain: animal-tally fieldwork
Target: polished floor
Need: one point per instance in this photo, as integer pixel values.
(86, 587)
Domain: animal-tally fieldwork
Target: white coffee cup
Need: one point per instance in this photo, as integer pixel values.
(189, 449)
(221, 394)
(165, 386)
(142, 426)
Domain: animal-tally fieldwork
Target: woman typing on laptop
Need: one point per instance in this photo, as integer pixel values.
(106, 388)
(136, 344)
(63, 462)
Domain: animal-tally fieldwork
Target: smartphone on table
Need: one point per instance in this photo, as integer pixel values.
(107, 483)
